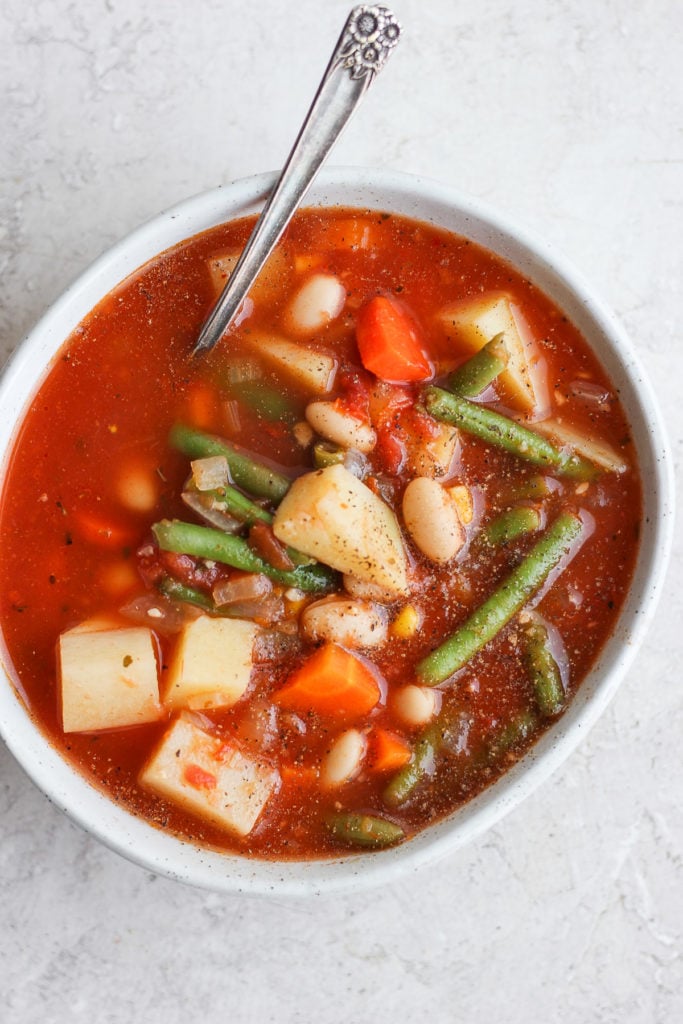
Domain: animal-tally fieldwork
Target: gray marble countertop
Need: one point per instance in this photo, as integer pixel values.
(568, 117)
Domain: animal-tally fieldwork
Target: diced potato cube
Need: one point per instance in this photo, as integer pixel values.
(309, 368)
(211, 665)
(476, 321)
(108, 678)
(334, 517)
(209, 778)
(270, 281)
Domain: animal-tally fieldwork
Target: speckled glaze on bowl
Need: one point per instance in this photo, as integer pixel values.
(436, 203)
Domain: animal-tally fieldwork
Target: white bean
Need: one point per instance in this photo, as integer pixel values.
(416, 705)
(349, 623)
(339, 427)
(320, 299)
(137, 488)
(343, 759)
(431, 517)
(365, 590)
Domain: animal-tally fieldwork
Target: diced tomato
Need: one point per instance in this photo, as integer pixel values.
(198, 778)
(391, 450)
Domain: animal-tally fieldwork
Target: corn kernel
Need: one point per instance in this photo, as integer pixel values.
(406, 623)
(462, 497)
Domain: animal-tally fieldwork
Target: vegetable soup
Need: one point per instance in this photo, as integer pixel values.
(316, 589)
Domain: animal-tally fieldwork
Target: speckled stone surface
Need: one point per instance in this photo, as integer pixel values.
(567, 116)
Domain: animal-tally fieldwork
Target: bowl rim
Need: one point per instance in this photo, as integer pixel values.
(159, 853)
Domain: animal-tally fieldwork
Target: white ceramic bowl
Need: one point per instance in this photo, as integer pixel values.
(427, 201)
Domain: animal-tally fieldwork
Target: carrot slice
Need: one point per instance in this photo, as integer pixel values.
(332, 682)
(390, 342)
(387, 751)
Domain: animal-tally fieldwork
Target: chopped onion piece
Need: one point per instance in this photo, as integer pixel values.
(266, 611)
(210, 473)
(203, 506)
(356, 463)
(249, 587)
(159, 614)
(590, 391)
(231, 418)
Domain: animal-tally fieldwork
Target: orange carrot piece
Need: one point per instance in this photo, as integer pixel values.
(387, 751)
(390, 342)
(103, 532)
(201, 405)
(332, 682)
(299, 776)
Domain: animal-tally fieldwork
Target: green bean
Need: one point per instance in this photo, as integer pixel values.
(325, 454)
(246, 472)
(514, 732)
(420, 767)
(174, 590)
(205, 542)
(544, 670)
(364, 829)
(509, 525)
(505, 602)
(505, 433)
(480, 370)
(534, 488)
(238, 505)
(265, 401)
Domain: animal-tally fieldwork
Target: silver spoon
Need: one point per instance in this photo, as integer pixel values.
(367, 39)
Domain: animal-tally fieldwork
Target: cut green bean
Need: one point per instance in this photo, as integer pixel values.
(236, 504)
(265, 401)
(419, 768)
(205, 542)
(509, 525)
(544, 670)
(505, 433)
(515, 731)
(534, 488)
(364, 829)
(480, 370)
(174, 590)
(505, 602)
(247, 473)
(325, 454)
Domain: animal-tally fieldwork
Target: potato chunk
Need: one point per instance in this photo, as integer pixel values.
(307, 367)
(335, 518)
(108, 678)
(209, 778)
(476, 321)
(212, 663)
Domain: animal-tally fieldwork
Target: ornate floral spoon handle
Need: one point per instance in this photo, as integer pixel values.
(369, 35)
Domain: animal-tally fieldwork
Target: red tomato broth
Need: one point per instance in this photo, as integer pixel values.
(126, 375)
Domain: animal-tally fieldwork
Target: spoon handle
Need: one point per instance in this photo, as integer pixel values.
(369, 35)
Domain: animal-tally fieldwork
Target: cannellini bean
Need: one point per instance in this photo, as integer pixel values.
(416, 705)
(303, 433)
(343, 759)
(339, 427)
(349, 623)
(320, 299)
(365, 590)
(432, 518)
(137, 488)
